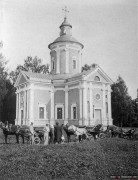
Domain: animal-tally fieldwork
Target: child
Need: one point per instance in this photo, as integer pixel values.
(62, 139)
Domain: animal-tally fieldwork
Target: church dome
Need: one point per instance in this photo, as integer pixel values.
(66, 51)
(65, 34)
(66, 38)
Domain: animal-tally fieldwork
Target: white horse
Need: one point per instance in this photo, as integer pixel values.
(78, 131)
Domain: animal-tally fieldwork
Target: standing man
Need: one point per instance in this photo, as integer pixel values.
(46, 134)
(51, 134)
(32, 133)
(58, 133)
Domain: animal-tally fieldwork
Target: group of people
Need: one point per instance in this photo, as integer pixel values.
(52, 134)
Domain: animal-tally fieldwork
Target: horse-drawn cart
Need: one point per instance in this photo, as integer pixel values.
(38, 134)
(98, 131)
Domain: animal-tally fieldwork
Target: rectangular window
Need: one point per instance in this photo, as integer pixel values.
(74, 64)
(59, 113)
(41, 112)
(73, 111)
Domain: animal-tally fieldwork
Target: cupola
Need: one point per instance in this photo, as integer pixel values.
(66, 51)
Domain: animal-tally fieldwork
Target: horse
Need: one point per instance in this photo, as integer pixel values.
(11, 130)
(81, 133)
(128, 134)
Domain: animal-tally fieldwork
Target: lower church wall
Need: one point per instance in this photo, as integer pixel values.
(41, 98)
(74, 122)
(59, 97)
(74, 99)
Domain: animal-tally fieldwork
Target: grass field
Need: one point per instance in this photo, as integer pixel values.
(86, 160)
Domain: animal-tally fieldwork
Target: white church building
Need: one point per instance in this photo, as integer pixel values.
(66, 95)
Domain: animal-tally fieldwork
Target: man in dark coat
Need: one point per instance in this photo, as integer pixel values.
(58, 133)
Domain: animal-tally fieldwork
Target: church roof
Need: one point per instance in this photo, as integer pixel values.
(45, 77)
(36, 75)
(66, 38)
(39, 76)
(48, 78)
(32, 75)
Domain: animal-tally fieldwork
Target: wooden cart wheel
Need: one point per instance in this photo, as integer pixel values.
(36, 140)
(102, 135)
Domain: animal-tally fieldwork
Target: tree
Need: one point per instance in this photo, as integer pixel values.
(3, 77)
(30, 64)
(9, 103)
(87, 67)
(122, 105)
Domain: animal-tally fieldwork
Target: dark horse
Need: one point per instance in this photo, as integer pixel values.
(68, 132)
(11, 130)
(95, 131)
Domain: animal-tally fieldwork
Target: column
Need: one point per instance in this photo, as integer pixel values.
(80, 61)
(104, 119)
(17, 109)
(91, 106)
(24, 115)
(85, 106)
(67, 60)
(27, 115)
(58, 61)
(31, 108)
(52, 122)
(109, 105)
(66, 105)
(80, 96)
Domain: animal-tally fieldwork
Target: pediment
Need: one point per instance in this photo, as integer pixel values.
(98, 75)
(21, 79)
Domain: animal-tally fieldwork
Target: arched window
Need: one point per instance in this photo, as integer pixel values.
(74, 64)
(97, 78)
(53, 65)
(88, 104)
(106, 108)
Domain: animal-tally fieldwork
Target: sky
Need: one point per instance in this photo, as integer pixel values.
(106, 28)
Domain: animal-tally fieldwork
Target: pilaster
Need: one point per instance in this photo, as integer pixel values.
(80, 60)
(19, 111)
(31, 108)
(52, 122)
(91, 106)
(104, 119)
(109, 105)
(66, 105)
(17, 108)
(24, 112)
(80, 97)
(67, 59)
(58, 61)
(85, 107)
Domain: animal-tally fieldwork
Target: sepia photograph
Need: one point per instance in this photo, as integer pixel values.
(68, 90)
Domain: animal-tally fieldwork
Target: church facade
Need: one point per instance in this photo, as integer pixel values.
(66, 95)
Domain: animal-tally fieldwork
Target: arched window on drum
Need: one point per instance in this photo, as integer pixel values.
(106, 109)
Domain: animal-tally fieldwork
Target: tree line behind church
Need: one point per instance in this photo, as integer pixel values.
(124, 109)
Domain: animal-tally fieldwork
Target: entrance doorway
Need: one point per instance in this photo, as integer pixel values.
(97, 116)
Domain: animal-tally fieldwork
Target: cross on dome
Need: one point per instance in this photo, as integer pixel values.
(66, 11)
